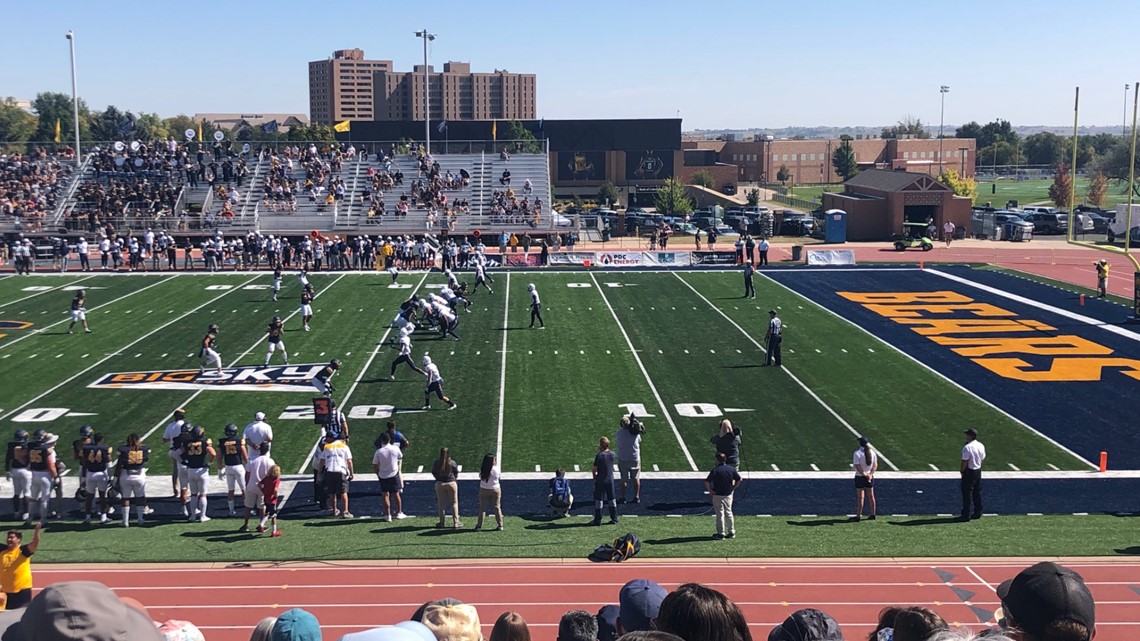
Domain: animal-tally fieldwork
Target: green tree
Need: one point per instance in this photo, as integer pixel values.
(1045, 148)
(16, 125)
(969, 130)
(105, 124)
(843, 160)
(784, 174)
(671, 199)
(1062, 186)
(704, 179)
(908, 126)
(1000, 153)
(753, 197)
(608, 193)
(151, 127)
(1114, 162)
(967, 187)
(1098, 189)
(52, 107)
(515, 131)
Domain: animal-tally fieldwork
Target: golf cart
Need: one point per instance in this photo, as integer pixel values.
(914, 235)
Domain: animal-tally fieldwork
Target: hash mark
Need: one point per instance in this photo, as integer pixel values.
(607, 351)
(537, 468)
(84, 356)
(555, 353)
(419, 469)
(870, 350)
(58, 355)
(1053, 467)
(712, 351)
(581, 352)
(655, 468)
(576, 468)
(478, 353)
(814, 467)
(817, 351)
(686, 351)
(774, 468)
(1014, 467)
(842, 350)
(163, 356)
(528, 352)
(933, 466)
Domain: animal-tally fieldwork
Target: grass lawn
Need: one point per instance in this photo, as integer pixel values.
(1037, 191)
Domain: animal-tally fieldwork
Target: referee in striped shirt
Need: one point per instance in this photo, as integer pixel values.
(773, 338)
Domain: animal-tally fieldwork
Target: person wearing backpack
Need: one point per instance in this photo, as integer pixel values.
(722, 481)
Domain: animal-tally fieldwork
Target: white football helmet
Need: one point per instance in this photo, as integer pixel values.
(427, 360)
(530, 287)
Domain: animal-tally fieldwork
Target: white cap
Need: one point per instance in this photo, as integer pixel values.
(260, 416)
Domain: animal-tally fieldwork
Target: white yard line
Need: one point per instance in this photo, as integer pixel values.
(193, 396)
(111, 302)
(344, 401)
(125, 347)
(52, 289)
(795, 378)
(652, 387)
(936, 372)
(503, 374)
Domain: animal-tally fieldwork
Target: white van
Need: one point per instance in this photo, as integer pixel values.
(1119, 227)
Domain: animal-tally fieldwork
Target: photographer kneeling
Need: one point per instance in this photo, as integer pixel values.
(629, 455)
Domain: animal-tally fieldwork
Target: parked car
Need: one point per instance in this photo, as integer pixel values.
(1035, 209)
(684, 228)
(704, 222)
(1053, 222)
(755, 210)
(1100, 222)
(797, 225)
(724, 232)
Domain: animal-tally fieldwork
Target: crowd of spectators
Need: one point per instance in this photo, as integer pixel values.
(1045, 602)
(31, 185)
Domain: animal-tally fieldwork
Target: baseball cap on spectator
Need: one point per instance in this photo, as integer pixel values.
(174, 630)
(386, 633)
(10, 625)
(639, 602)
(607, 622)
(453, 622)
(1044, 593)
(84, 611)
(418, 615)
(808, 624)
(296, 625)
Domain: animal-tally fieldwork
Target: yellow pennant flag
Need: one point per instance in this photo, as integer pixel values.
(57, 136)
(494, 130)
(342, 127)
(199, 132)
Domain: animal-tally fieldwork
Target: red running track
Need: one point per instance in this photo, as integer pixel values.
(226, 602)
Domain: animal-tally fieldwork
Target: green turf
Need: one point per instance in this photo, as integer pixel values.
(1076, 289)
(565, 386)
(662, 537)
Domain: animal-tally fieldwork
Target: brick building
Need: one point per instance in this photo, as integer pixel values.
(879, 201)
(348, 87)
(809, 161)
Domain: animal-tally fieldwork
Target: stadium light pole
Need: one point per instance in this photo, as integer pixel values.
(428, 37)
(1124, 123)
(74, 98)
(944, 89)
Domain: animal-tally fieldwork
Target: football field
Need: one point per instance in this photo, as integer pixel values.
(680, 349)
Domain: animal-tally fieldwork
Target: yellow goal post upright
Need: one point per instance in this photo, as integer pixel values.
(1126, 251)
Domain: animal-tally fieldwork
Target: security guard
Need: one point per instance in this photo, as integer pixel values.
(749, 288)
(773, 338)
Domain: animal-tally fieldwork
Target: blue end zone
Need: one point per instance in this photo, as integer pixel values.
(1086, 416)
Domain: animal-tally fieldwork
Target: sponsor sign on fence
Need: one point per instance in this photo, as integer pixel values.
(666, 259)
(831, 257)
(620, 259)
(714, 258)
(571, 258)
(520, 260)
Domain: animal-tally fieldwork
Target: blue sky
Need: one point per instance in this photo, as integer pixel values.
(719, 64)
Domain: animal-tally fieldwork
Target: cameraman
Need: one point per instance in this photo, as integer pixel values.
(727, 442)
(629, 455)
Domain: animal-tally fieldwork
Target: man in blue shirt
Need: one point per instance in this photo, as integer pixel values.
(604, 482)
(721, 483)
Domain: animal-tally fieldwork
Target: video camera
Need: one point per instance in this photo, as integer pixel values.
(635, 426)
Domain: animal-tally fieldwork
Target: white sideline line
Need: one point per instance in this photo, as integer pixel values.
(937, 373)
(1042, 306)
(503, 374)
(110, 302)
(788, 372)
(195, 395)
(45, 291)
(826, 475)
(112, 355)
(652, 387)
(359, 377)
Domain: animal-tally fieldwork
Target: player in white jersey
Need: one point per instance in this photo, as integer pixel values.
(448, 321)
(481, 278)
(276, 282)
(452, 281)
(434, 385)
(404, 344)
(535, 307)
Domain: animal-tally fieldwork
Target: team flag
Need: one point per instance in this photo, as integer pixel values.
(57, 137)
(342, 127)
(494, 130)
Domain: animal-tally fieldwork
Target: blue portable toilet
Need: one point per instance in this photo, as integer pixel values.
(835, 226)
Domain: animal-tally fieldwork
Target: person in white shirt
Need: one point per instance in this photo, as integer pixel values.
(973, 455)
(948, 232)
(404, 344)
(254, 474)
(866, 463)
(170, 437)
(81, 248)
(386, 464)
(336, 461)
(535, 307)
(763, 249)
(490, 493)
(255, 434)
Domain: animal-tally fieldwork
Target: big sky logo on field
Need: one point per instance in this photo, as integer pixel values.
(996, 338)
(279, 378)
(11, 325)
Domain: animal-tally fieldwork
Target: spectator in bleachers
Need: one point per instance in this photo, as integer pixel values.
(1047, 602)
(607, 623)
(296, 625)
(698, 613)
(807, 624)
(917, 623)
(263, 629)
(510, 626)
(459, 622)
(578, 625)
(85, 610)
(639, 603)
(30, 186)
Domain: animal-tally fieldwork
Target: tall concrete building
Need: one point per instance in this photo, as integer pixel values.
(348, 87)
(341, 87)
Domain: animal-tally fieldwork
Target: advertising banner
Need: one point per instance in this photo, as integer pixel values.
(666, 259)
(831, 257)
(714, 258)
(519, 260)
(620, 259)
(571, 258)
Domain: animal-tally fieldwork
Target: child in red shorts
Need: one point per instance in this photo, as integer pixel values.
(269, 486)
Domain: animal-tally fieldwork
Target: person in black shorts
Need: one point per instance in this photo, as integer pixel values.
(604, 482)
(866, 463)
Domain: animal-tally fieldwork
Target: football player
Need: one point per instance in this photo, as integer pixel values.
(407, 315)
(434, 384)
(208, 351)
(276, 342)
(323, 380)
(448, 321)
(79, 311)
(276, 282)
(303, 277)
(40, 456)
(535, 307)
(306, 306)
(180, 465)
(231, 464)
(452, 281)
(85, 434)
(404, 344)
(96, 456)
(394, 272)
(131, 471)
(16, 465)
(481, 278)
(197, 455)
